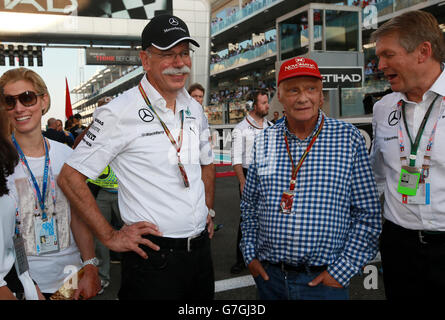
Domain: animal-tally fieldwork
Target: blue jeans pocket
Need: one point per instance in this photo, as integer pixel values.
(258, 279)
(333, 293)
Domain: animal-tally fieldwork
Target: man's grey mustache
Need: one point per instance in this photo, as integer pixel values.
(175, 71)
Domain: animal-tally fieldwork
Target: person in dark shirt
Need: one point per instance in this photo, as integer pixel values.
(60, 136)
(77, 128)
(276, 116)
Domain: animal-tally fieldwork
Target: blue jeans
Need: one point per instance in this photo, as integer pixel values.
(288, 285)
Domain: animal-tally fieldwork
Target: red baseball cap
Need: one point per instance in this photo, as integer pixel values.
(297, 67)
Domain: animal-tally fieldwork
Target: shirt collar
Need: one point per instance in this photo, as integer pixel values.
(438, 87)
(252, 120)
(157, 101)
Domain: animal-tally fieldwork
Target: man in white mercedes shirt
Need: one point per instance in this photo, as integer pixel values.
(156, 139)
(408, 155)
(243, 137)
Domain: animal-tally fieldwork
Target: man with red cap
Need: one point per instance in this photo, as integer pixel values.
(310, 209)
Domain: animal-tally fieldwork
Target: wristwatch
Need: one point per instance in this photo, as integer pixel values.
(212, 213)
(94, 261)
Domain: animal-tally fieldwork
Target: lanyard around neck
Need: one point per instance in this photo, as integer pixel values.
(251, 124)
(416, 143)
(40, 195)
(166, 130)
(176, 145)
(296, 168)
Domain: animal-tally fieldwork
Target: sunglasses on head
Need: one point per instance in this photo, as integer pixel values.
(27, 98)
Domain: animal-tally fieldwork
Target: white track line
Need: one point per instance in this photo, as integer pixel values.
(234, 283)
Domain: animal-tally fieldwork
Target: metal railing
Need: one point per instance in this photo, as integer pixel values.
(262, 52)
(252, 8)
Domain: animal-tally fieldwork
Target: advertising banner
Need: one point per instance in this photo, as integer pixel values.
(124, 9)
(107, 56)
(348, 77)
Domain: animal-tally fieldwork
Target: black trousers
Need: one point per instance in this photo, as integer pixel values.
(14, 284)
(168, 274)
(411, 269)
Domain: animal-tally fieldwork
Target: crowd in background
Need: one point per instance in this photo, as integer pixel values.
(238, 93)
(240, 50)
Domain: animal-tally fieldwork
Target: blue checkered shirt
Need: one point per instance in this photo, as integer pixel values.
(335, 218)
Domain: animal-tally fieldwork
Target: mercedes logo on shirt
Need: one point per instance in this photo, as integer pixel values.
(173, 22)
(146, 115)
(393, 118)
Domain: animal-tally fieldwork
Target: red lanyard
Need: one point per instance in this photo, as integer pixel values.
(178, 145)
(295, 169)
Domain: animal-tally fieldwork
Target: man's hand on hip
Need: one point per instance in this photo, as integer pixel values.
(129, 237)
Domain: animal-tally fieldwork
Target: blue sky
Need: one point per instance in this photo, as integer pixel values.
(59, 63)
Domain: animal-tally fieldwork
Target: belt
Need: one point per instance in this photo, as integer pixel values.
(423, 236)
(301, 268)
(183, 244)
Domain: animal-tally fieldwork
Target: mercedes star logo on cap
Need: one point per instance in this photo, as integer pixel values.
(145, 115)
(173, 22)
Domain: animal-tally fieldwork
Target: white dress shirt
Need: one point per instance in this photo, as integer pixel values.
(385, 156)
(243, 137)
(129, 137)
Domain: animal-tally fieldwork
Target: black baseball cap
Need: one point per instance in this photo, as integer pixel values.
(164, 32)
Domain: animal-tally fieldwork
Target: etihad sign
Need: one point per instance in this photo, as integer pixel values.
(342, 77)
(345, 77)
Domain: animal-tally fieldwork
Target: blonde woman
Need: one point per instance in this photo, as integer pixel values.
(13, 285)
(55, 241)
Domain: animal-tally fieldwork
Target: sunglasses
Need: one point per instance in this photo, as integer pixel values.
(27, 98)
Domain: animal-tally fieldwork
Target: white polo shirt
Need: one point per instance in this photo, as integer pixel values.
(385, 156)
(243, 137)
(129, 137)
